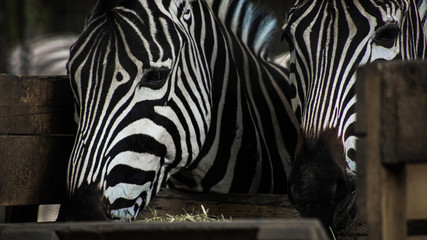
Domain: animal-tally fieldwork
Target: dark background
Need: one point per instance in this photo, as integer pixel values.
(26, 19)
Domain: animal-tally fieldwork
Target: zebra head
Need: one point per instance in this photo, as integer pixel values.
(328, 40)
(129, 71)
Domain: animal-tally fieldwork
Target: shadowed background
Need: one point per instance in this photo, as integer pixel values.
(21, 20)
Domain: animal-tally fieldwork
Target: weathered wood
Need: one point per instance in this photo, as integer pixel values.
(36, 136)
(404, 112)
(33, 169)
(403, 104)
(254, 229)
(19, 234)
(417, 238)
(416, 188)
(169, 201)
(36, 106)
(393, 212)
(392, 157)
(368, 165)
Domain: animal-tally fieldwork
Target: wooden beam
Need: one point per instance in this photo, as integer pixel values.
(245, 230)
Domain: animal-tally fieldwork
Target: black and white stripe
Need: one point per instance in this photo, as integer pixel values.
(175, 88)
(42, 56)
(329, 39)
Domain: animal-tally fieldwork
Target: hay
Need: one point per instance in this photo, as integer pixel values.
(201, 215)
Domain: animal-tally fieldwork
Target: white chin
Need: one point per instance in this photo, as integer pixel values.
(126, 214)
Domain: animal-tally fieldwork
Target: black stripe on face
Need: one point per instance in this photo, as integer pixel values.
(129, 175)
(125, 203)
(139, 143)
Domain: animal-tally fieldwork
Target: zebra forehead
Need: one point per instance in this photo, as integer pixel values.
(377, 12)
(349, 3)
(104, 6)
(109, 4)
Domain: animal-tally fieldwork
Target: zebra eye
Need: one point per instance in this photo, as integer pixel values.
(386, 36)
(154, 78)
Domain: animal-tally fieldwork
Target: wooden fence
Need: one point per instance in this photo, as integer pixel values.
(36, 134)
(392, 150)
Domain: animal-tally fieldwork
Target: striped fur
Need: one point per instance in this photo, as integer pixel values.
(329, 40)
(177, 90)
(44, 55)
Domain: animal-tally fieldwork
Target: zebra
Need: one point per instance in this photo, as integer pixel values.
(328, 40)
(178, 92)
(43, 55)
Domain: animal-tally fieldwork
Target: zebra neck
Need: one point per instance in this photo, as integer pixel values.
(250, 24)
(251, 135)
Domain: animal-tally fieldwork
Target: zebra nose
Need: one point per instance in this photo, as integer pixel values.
(313, 193)
(317, 183)
(86, 204)
(345, 211)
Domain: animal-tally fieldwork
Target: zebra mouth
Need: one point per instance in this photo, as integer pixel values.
(345, 212)
(128, 197)
(128, 205)
(131, 212)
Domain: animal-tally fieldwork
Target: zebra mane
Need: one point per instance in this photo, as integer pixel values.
(252, 24)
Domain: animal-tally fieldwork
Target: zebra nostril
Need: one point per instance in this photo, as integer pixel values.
(86, 203)
(318, 183)
(345, 211)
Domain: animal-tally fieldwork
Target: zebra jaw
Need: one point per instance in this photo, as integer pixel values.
(129, 213)
(143, 196)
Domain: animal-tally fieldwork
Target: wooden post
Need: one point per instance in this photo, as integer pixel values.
(368, 155)
(392, 152)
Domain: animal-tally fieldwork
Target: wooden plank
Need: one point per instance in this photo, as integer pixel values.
(416, 180)
(368, 128)
(403, 94)
(393, 202)
(169, 201)
(392, 131)
(254, 229)
(18, 234)
(403, 111)
(417, 238)
(33, 169)
(35, 105)
(36, 136)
